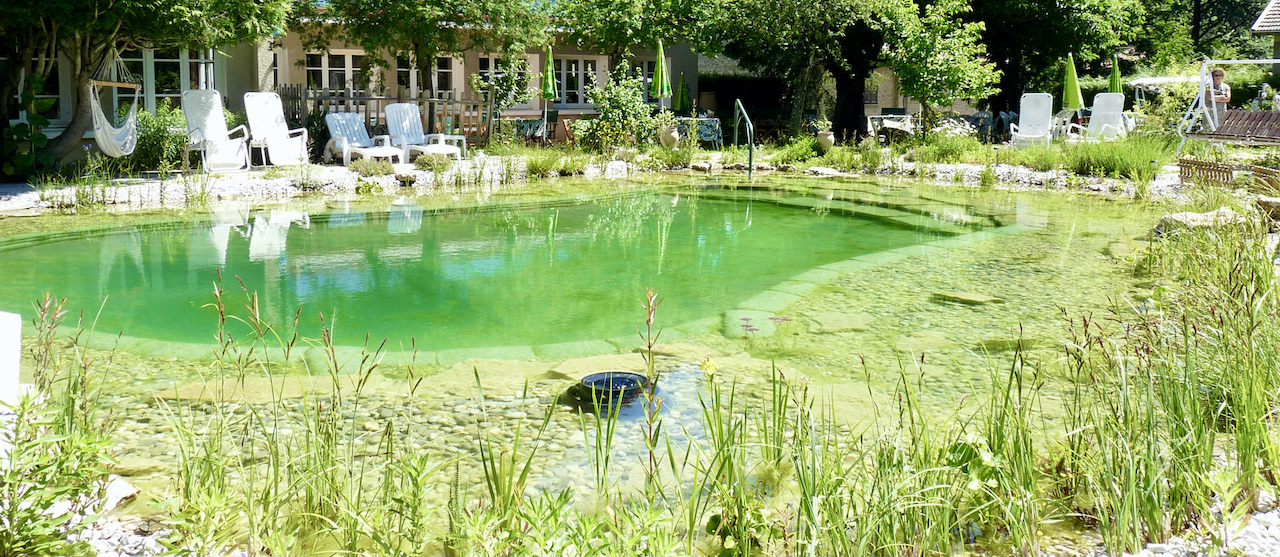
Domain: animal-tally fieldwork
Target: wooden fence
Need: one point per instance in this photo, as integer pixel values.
(466, 117)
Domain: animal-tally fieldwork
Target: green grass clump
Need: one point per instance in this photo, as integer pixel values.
(798, 150)
(434, 162)
(1042, 158)
(670, 159)
(948, 149)
(1137, 157)
(371, 167)
(541, 162)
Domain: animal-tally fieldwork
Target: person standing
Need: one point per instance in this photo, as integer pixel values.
(1217, 95)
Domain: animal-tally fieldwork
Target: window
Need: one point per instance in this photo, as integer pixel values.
(573, 75)
(48, 101)
(445, 67)
(646, 69)
(488, 69)
(165, 74)
(337, 70)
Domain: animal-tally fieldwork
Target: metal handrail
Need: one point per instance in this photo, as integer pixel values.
(740, 113)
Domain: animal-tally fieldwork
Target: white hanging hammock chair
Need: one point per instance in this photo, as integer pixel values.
(114, 142)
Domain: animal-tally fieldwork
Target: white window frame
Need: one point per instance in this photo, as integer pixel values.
(455, 69)
(585, 77)
(207, 77)
(492, 61)
(348, 70)
(63, 95)
(647, 67)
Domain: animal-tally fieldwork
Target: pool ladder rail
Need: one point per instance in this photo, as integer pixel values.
(740, 114)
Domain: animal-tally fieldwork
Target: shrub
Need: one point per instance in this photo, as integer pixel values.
(799, 150)
(161, 138)
(433, 162)
(624, 115)
(371, 167)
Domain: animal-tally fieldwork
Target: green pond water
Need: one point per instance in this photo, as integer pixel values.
(502, 275)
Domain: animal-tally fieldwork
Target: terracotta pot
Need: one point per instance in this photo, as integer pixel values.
(668, 137)
(826, 140)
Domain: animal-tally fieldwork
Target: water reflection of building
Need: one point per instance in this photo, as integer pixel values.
(342, 215)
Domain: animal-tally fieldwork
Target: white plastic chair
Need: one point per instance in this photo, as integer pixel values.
(404, 124)
(207, 132)
(270, 132)
(1035, 120)
(1106, 123)
(348, 135)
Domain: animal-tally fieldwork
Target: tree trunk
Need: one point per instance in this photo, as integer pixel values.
(84, 54)
(859, 47)
(1197, 22)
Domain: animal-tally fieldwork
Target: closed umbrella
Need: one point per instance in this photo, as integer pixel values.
(1114, 85)
(548, 87)
(661, 86)
(1071, 97)
(681, 104)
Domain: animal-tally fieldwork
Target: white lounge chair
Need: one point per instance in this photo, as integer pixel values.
(1106, 123)
(1035, 120)
(207, 133)
(404, 124)
(270, 132)
(349, 136)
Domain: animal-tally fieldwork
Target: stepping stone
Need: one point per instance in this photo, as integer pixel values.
(137, 466)
(968, 298)
(838, 322)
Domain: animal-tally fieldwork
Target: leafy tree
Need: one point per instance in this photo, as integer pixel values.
(1181, 30)
(938, 58)
(86, 32)
(797, 40)
(612, 27)
(420, 30)
(1029, 39)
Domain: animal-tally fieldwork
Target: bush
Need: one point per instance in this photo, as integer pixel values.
(433, 162)
(161, 138)
(800, 149)
(371, 167)
(624, 115)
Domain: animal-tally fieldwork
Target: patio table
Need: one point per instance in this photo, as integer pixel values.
(705, 129)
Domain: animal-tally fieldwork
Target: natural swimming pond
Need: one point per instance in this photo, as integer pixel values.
(856, 267)
(503, 274)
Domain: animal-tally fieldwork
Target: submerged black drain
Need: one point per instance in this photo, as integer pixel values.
(600, 391)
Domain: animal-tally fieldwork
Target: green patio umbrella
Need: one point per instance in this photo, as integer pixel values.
(548, 87)
(661, 86)
(680, 103)
(1071, 97)
(1114, 85)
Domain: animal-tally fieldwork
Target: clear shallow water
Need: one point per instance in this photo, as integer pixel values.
(494, 276)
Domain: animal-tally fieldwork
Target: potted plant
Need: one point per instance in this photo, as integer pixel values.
(826, 138)
(665, 124)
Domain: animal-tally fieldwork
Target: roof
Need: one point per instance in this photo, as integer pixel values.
(1269, 20)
